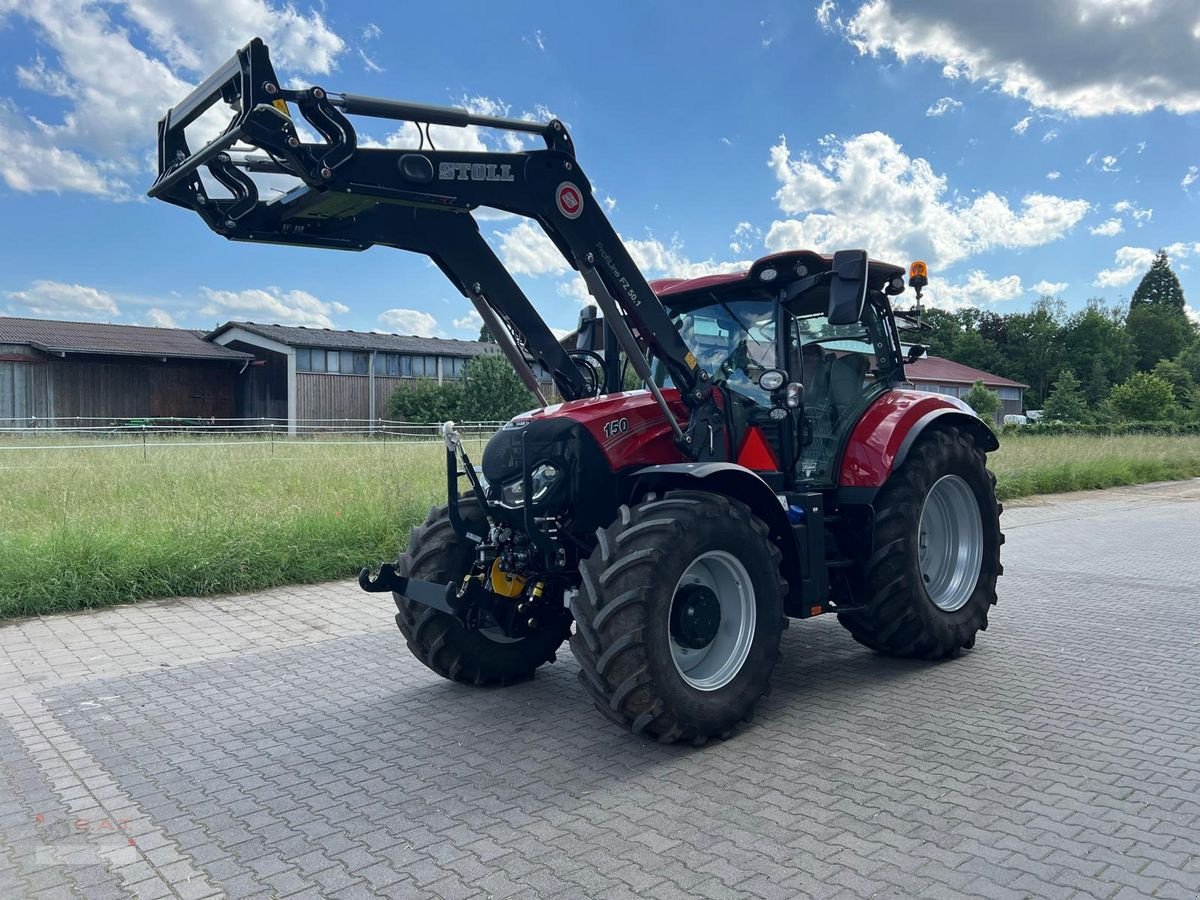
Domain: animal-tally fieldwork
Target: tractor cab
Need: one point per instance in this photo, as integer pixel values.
(796, 378)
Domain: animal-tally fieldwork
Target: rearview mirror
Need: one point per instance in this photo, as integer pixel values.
(848, 288)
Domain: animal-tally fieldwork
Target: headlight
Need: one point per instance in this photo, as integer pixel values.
(541, 479)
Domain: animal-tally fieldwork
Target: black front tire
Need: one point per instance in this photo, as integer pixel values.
(900, 618)
(440, 641)
(622, 615)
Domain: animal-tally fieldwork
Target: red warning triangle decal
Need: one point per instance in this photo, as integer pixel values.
(756, 453)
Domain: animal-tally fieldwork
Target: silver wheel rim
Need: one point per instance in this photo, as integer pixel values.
(713, 666)
(950, 543)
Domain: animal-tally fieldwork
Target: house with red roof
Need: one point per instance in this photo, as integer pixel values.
(944, 376)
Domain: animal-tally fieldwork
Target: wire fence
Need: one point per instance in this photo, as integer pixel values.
(81, 433)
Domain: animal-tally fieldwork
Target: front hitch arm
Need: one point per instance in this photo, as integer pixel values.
(428, 593)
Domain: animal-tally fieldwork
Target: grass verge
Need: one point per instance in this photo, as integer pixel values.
(91, 527)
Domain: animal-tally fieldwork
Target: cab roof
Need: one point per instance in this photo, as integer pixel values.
(880, 272)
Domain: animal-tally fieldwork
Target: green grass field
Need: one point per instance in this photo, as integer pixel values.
(89, 527)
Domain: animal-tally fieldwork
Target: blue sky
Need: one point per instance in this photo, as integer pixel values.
(1027, 148)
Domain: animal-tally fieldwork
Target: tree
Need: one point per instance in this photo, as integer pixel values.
(1189, 358)
(984, 402)
(1144, 398)
(1098, 385)
(1033, 346)
(1157, 332)
(492, 391)
(426, 401)
(1066, 402)
(1182, 384)
(1097, 348)
(485, 335)
(1160, 286)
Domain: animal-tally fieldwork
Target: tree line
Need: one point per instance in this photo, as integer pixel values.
(1101, 364)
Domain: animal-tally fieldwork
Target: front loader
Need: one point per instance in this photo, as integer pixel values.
(774, 466)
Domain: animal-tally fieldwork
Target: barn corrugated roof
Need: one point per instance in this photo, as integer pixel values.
(333, 339)
(51, 336)
(936, 370)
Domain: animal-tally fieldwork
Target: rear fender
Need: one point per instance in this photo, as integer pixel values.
(888, 429)
(733, 481)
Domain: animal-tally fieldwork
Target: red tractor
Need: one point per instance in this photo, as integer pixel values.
(772, 467)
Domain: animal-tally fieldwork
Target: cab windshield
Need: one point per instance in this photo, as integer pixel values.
(733, 340)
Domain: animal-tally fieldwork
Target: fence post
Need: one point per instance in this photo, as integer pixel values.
(144, 458)
(271, 432)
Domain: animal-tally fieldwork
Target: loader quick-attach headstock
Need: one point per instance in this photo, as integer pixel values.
(350, 197)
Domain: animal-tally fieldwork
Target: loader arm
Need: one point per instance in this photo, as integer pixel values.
(353, 197)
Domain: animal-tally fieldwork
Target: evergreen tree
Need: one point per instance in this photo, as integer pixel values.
(1066, 401)
(1160, 286)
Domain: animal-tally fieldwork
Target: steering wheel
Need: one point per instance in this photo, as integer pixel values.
(591, 368)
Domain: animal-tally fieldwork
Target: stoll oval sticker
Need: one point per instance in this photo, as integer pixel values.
(570, 200)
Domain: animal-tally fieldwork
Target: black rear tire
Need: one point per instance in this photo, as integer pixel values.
(623, 629)
(901, 618)
(440, 641)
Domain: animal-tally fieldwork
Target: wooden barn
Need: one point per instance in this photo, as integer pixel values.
(64, 370)
(309, 375)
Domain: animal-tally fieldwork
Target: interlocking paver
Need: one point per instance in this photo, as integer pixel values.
(285, 743)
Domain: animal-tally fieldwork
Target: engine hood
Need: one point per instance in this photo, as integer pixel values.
(629, 427)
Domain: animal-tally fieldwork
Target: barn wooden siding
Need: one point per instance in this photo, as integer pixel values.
(324, 396)
(114, 388)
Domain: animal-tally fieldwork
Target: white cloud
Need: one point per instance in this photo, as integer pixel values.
(975, 289)
(825, 14)
(58, 300)
(369, 63)
(160, 318)
(114, 68)
(1053, 175)
(272, 305)
(1129, 262)
(1023, 125)
(1051, 135)
(1190, 176)
(371, 31)
(1193, 314)
(409, 321)
(472, 321)
(1048, 288)
(745, 238)
(1083, 57)
(575, 289)
(1140, 216)
(850, 197)
(942, 106)
(526, 250)
(1105, 163)
(655, 258)
(1108, 228)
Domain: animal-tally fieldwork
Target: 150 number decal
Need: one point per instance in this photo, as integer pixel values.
(615, 427)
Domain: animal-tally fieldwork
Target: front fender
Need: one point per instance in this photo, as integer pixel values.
(886, 432)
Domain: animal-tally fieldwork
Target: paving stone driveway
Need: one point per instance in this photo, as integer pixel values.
(285, 744)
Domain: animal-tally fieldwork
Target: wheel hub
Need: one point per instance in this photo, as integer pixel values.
(712, 620)
(695, 616)
(950, 543)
